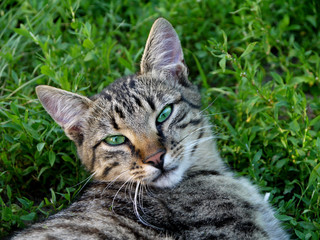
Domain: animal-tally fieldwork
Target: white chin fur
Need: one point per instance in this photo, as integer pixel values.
(171, 178)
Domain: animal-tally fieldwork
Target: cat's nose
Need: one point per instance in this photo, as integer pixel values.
(156, 159)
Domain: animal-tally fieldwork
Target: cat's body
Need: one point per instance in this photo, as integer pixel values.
(205, 205)
(151, 150)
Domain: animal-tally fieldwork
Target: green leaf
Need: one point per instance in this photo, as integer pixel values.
(222, 63)
(314, 175)
(26, 114)
(294, 126)
(28, 170)
(53, 197)
(14, 146)
(281, 163)
(33, 133)
(312, 20)
(294, 141)
(46, 70)
(40, 146)
(307, 225)
(64, 81)
(202, 74)
(52, 157)
(28, 217)
(299, 234)
(6, 214)
(89, 56)
(47, 202)
(25, 203)
(13, 126)
(87, 43)
(225, 40)
(257, 156)
(75, 25)
(315, 120)
(42, 171)
(67, 158)
(277, 78)
(125, 63)
(15, 77)
(318, 144)
(284, 22)
(9, 193)
(248, 50)
(22, 31)
(301, 79)
(14, 108)
(283, 217)
(230, 128)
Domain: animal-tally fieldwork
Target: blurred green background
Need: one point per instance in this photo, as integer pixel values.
(256, 63)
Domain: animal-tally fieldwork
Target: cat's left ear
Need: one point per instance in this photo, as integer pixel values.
(66, 108)
(163, 51)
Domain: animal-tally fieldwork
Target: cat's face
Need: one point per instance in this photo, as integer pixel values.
(140, 128)
(145, 128)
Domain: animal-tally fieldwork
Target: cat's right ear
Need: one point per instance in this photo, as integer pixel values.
(163, 52)
(66, 108)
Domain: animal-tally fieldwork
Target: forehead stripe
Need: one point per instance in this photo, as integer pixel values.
(150, 102)
(196, 106)
(114, 123)
(137, 100)
(119, 111)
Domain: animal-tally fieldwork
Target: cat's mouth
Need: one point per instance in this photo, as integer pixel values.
(165, 173)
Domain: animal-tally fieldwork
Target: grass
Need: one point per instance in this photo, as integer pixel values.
(256, 62)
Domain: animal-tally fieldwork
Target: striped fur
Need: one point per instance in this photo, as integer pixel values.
(191, 196)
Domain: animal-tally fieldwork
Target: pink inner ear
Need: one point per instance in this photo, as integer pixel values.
(75, 128)
(53, 107)
(171, 46)
(163, 50)
(64, 107)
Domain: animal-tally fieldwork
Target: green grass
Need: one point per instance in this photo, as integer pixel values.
(256, 62)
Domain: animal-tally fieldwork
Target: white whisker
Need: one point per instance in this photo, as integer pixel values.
(194, 131)
(143, 188)
(136, 207)
(208, 106)
(113, 181)
(86, 179)
(129, 179)
(131, 187)
(86, 182)
(201, 140)
(213, 114)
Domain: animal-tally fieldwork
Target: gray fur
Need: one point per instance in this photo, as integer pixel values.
(192, 196)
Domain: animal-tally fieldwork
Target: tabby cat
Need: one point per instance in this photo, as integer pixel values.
(158, 174)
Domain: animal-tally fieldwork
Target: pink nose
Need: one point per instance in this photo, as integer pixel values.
(155, 159)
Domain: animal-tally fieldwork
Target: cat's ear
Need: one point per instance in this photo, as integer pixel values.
(66, 108)
(163, 51)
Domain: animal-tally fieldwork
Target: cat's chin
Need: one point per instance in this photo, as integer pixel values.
(168, 178)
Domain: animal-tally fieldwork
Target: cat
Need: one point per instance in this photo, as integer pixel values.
(157, 172)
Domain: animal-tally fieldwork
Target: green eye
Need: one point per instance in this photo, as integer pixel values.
(164, 114)
(115, 140)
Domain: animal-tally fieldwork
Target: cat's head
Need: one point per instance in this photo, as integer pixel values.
(147, 127)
